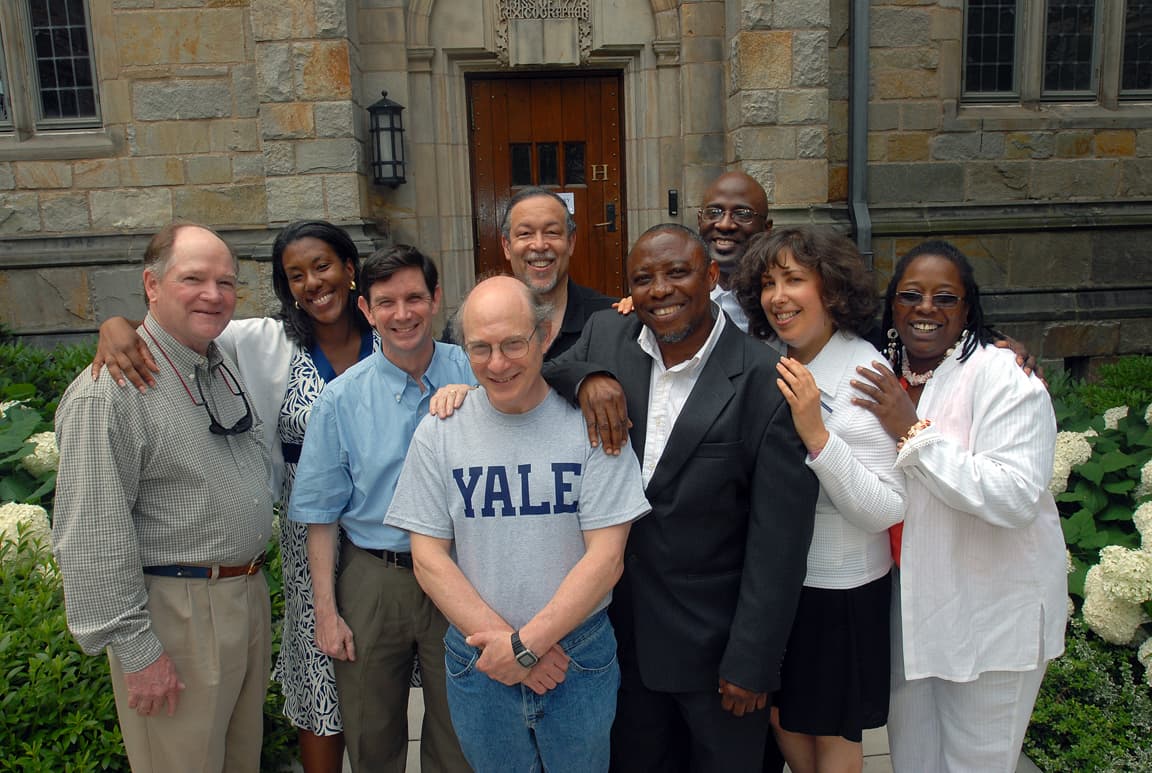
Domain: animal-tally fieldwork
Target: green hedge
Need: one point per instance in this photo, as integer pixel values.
(1094, 711)
(57, 711)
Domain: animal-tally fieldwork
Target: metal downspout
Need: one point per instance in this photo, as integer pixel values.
(858, 128)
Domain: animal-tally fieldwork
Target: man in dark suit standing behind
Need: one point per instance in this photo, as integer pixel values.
(712, 577)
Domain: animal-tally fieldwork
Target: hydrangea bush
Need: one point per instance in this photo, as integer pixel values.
(56, 709)
(1101, 482)
(1094, 712)
(28, 456)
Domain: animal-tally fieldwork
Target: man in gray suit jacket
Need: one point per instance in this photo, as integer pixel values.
(712, 576)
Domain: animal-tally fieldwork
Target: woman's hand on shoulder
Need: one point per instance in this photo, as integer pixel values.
(883, 395)
(124, 353)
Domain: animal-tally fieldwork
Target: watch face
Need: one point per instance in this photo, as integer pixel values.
(527, 659)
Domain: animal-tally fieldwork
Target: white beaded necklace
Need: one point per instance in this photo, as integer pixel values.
(920, 379)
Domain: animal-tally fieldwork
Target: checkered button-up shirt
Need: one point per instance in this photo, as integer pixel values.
(142, 482)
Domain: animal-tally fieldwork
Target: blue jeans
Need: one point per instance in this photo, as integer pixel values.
(513, 730)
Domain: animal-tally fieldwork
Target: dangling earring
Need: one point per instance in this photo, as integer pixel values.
(893, 337)
(352, 285)
(297, 304)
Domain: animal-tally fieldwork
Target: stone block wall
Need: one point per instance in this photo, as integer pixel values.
(926, 145)
(177, 87)
(778, 94)
(240, 114)
(312, 127)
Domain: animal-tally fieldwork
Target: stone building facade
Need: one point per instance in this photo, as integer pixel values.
(247, 114)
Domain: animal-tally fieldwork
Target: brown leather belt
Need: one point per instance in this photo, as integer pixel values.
(192, 572)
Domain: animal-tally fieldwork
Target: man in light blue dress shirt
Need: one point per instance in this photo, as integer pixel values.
(371, 615)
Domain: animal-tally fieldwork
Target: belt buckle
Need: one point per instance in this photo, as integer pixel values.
(255, 564)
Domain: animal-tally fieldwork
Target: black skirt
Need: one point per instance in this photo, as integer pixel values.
(834, 680)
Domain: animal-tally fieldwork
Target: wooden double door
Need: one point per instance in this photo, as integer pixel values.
(561, 133)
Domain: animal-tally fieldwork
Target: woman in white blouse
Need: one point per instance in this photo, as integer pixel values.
(810, 291)
(981, 594)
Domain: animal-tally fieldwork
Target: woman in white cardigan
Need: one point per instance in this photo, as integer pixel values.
(809, 290)
(981, 593)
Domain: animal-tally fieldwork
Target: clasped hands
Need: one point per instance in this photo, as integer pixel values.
(498, 662)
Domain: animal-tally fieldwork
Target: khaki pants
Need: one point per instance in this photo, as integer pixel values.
(218, 635)
(389, 616)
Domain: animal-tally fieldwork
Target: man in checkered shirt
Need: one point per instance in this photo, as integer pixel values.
(162, 514)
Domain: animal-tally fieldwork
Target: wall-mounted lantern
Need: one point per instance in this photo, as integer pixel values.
(386, 130)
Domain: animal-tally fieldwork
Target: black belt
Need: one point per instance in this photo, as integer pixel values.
(191, 572)
(402, 560)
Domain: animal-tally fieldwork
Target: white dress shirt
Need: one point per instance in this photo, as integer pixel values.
(263, 355)
(669, 390)
(726, 300)
(982, 566)
(860, 493)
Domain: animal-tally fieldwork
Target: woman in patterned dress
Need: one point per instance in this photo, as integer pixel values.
(285, 361)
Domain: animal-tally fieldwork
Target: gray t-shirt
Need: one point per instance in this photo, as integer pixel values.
(515, 492)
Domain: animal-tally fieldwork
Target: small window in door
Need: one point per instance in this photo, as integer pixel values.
(521, 156)
(546, 154)
(573, 163)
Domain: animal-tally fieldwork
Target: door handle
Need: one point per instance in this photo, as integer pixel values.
(610, 223)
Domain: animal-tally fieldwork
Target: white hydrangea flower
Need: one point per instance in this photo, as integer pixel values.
(1113, 620)
(33, 517)
(1142, 519)
(5, 406)
(1072, 449)
(1126, 574)
(1144, 488)
(1112, 416)
(1144, 655)
(1068, 566)
(1071, 608)
(1148, 414)
(45, 458)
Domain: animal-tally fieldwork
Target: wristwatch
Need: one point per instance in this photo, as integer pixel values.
(524, 656)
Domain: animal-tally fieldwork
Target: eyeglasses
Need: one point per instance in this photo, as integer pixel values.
(939, 300)
(742, 215)
(512, 348)
(215, 427)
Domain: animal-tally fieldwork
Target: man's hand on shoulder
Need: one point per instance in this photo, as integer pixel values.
(605, 409)
(739, 701)
(623, 306)
(153, 686)
(447, 399)
(1024, 358)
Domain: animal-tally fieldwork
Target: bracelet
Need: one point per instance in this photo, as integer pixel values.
(912, 432)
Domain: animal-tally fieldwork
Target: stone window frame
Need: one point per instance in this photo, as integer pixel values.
(1030, 108)
(24, 138)
(1030, 46)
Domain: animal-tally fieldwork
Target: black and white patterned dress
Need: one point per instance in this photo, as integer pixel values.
(303, 671)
